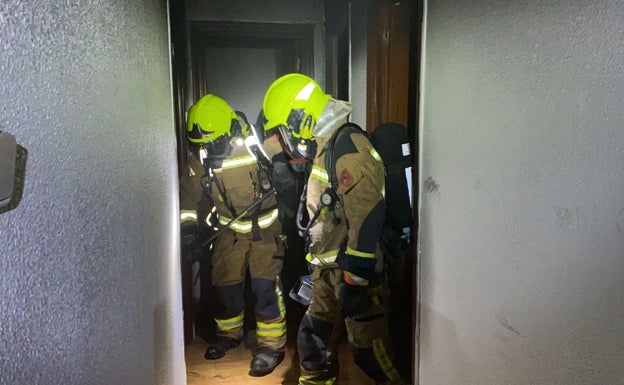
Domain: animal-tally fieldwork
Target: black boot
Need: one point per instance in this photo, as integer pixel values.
(265, 361)
(221, 345)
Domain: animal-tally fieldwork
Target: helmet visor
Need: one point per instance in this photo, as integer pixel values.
(296, 148)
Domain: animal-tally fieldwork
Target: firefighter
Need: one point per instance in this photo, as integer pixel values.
(346, 218)
(234, 181)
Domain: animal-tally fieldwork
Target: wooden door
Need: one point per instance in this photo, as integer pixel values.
(388, 66)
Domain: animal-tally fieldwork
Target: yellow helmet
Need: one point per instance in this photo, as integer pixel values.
(293, 104)
(210, 118)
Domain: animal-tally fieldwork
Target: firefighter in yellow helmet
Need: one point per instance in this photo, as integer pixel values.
(235, 179)
(346, 211)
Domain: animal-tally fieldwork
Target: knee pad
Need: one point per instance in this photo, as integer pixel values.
(232, 300)
(370, 363)
(312, 341)
(267, 305)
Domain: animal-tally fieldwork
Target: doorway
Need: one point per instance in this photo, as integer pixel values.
(239, 60)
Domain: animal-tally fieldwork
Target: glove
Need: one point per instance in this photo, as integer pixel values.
(191, 249)
(354, 300)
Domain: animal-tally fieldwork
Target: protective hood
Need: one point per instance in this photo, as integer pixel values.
(334, 112)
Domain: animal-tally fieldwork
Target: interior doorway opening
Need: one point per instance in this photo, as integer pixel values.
(238, 60)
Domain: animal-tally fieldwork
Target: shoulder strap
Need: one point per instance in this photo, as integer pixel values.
(223, 195)
(330, 161)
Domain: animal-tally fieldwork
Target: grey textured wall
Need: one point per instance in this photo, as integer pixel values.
(522, 243)
(89, 282)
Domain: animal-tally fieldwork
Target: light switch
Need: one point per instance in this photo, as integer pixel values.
(8, 150)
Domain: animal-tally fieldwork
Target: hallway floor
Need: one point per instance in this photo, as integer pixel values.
(233, 369)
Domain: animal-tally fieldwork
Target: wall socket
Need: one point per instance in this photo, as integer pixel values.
(8, 151)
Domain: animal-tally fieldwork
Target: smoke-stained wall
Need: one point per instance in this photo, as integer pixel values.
(522, 205)
(90, 280)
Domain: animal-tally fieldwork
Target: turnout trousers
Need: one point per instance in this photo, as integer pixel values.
(233, 254)
(368, 335)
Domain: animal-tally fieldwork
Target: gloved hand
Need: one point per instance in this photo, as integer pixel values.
(191, 248)
(354, 300)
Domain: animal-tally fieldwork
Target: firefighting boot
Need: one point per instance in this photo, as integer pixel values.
(221, 345)
(265, 361)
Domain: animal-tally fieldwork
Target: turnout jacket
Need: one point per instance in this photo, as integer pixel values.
(235, 186)
(346, 233)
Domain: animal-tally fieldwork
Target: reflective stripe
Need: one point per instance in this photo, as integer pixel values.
(324, 258)
(305, 92)
(377, 157)
(303, 381)
(353, 279)
(375, 154)
(188, 215)
(236, 162)
(276, 329)
(319, 174)
(244, 226)
(230, 324)
(280, 296)
(360, 253)
(384, 361)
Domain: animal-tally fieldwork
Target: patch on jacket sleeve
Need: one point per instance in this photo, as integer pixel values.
(346, 178)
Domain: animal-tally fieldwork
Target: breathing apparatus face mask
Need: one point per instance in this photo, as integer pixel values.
(219, 149)
(297, 148)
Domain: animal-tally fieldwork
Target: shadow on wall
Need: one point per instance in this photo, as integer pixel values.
(18, 185)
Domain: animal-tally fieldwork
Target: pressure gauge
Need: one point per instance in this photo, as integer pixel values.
(326, 199)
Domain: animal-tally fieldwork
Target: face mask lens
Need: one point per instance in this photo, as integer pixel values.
(218, 148)
(294, 120)
(287, 140)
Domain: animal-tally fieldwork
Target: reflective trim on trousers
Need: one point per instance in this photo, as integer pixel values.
(276, 329)
(303, 381)
(384, 361)
(231, 323)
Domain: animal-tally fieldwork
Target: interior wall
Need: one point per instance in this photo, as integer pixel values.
(268, 11)
(90, 276)
(244, 75)
(522, 203)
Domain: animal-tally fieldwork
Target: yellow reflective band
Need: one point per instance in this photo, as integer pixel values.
(276, 329)
(236, 162)
(244, 226)
(375, 155)
(188, 215)
(322, 259)
(230, 324)
(303, 381)
(383, 191)
(360, 253)
(280, 296)
(384, 361)
(319, 173)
